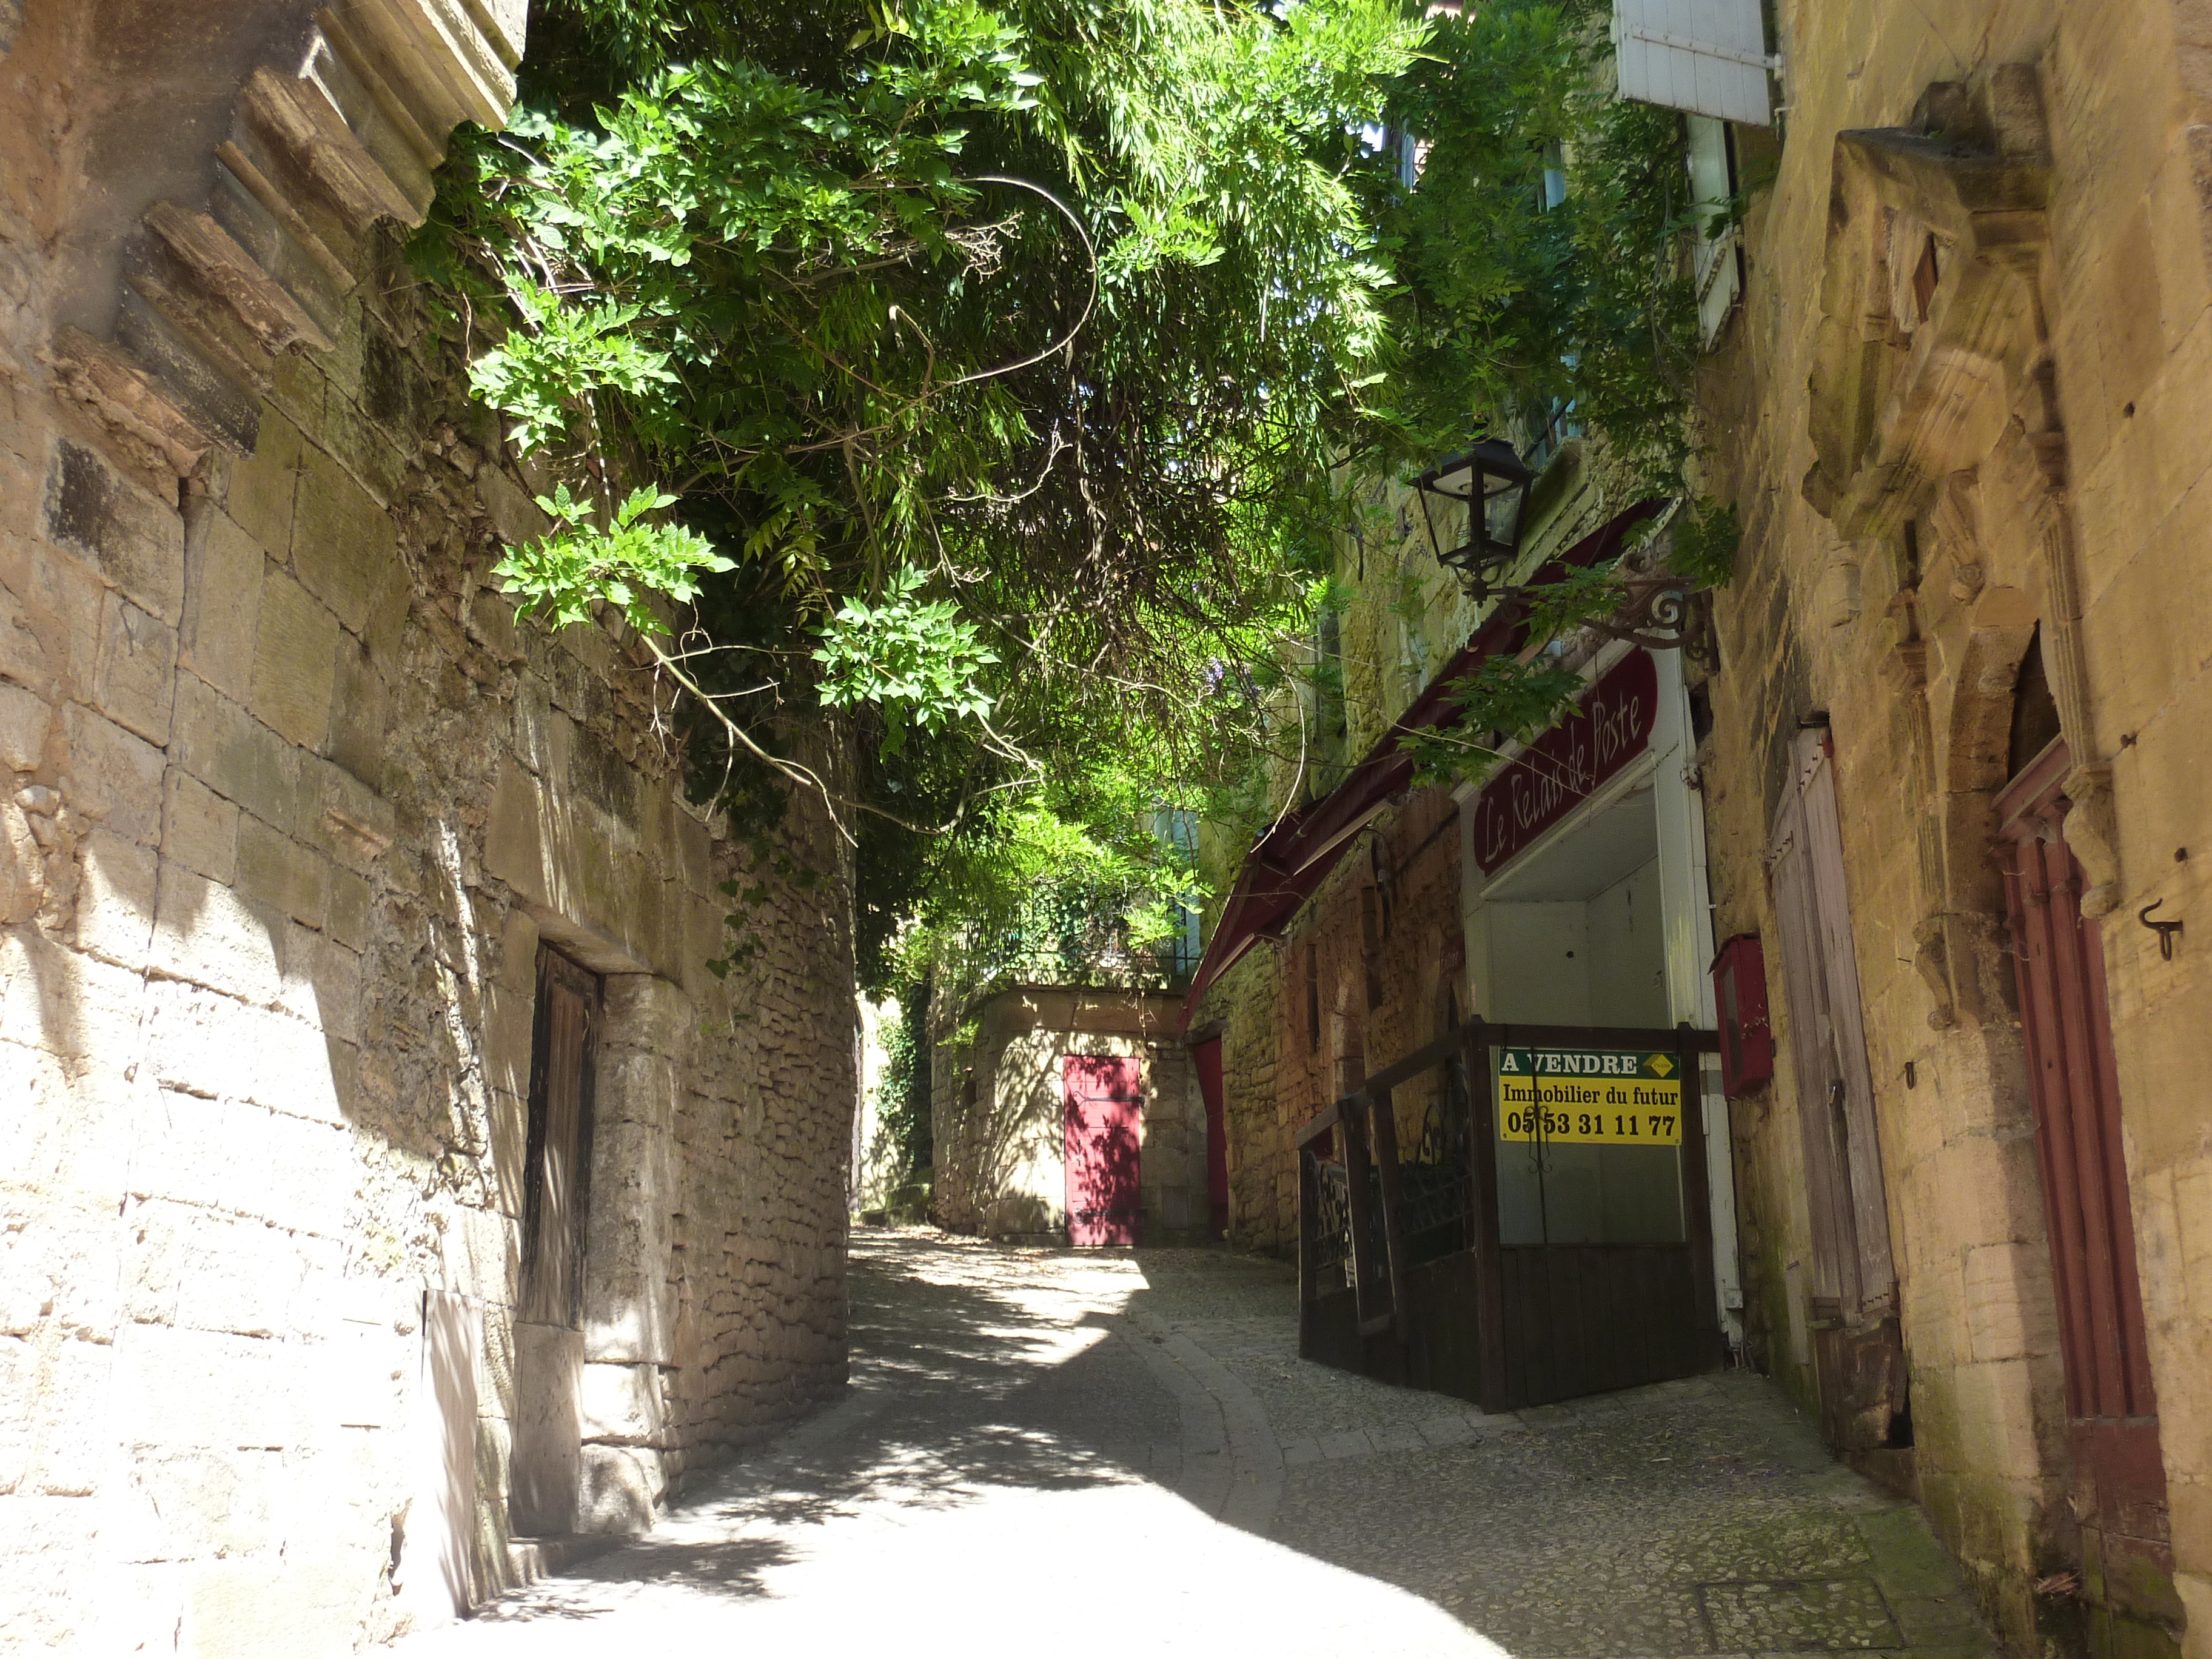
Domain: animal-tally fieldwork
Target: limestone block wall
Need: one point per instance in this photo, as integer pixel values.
(289, 802)
(1925, 480)
(999, 1102)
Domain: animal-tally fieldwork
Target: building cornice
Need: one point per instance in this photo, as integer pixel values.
(320, 149)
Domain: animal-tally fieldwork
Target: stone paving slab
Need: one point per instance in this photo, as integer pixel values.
(1111, 1452)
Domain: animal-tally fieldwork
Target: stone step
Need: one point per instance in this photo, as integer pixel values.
(529, 1560)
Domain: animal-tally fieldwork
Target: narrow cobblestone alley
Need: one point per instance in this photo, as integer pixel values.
(1120, 1453)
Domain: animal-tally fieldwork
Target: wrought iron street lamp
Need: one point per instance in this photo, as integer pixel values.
(1489, 479)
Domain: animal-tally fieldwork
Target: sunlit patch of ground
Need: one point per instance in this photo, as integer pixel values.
(1120, 1453)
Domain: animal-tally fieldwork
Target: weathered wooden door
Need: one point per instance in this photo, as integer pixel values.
(1102, 1151)
(548, 1337)
(557, 1180)
(1858, 1351)
(2119, 1476)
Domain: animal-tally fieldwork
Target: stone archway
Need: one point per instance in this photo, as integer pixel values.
(1941, 460)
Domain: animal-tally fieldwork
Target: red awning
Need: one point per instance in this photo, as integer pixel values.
(1290, 861)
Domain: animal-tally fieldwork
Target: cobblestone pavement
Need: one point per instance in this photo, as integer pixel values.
(1119, 1452)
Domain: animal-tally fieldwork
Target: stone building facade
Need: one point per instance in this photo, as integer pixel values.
(1378, 927)
(1946, 763)
(387, 1179)
(1006, 1079)
(1360, 965)
(1960, 414)
(1372, 969)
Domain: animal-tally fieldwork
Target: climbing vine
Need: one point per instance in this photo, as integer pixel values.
(986, 378)
(999, 354)
(1543, 256)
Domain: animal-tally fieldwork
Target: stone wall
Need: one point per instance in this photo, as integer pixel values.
(1372, 968)
(998, 1102)
(289, 802)
(1934, 456)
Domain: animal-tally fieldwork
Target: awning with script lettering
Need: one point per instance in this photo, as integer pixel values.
(1287, 865)
(1609, 727)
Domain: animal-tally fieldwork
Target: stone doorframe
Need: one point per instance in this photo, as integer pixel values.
(595, 1396)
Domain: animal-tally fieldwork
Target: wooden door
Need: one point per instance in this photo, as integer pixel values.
(557, 1165)
(2112, 1410)
(1858, 1350)
(1102, 1162)
(547, 1465)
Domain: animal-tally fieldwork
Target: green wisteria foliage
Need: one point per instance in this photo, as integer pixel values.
(1002, 353)
(1542, 253)
(978, 375)
(577, 565)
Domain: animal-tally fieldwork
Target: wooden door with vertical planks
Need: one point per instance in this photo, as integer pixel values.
(1858, 1348)
(557, 1182)
(1102, 1096)
(2058, 961)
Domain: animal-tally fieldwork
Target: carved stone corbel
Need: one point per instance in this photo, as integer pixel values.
(340, 135)
(2093, 831)
(1957, 522)
(1931, 961)
(1895, 399)
(1904, 664)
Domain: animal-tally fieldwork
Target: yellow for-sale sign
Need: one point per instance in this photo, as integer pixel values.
(1589, 1097)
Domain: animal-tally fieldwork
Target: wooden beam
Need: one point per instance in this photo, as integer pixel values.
(1320, 1124)
(1490, 1332)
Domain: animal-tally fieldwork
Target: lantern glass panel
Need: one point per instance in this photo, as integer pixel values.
(1501, 515)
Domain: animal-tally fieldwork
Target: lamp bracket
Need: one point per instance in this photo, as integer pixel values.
(1659, 611)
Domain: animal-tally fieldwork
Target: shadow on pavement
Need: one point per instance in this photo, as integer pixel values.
(1012, 1425)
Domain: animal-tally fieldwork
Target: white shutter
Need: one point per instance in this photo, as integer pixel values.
(1706, 142)
(1708, 57)
(1827, 1044)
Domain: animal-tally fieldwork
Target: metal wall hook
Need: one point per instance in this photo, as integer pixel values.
(2165, 930)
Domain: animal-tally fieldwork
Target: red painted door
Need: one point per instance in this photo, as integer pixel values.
(2119, 1475)
(1102, 1150)
(1208, 1056)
